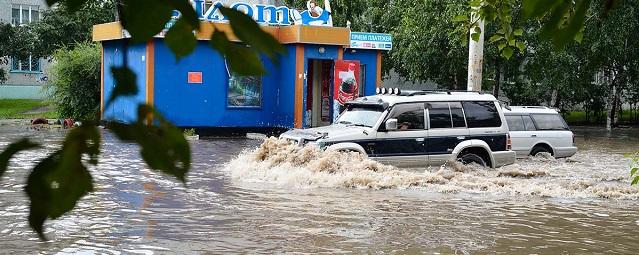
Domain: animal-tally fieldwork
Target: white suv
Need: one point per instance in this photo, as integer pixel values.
(537, 129)
(418, 128)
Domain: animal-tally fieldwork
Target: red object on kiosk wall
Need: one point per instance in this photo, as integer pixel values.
(195, 78)
(346, 81)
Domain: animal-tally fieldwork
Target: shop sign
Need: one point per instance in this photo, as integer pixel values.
(268, 14)
(371, 41)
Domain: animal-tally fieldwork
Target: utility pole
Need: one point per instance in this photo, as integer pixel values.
(475, 55)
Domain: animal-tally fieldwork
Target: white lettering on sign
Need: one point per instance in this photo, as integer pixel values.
(267, 14)
(371, 41)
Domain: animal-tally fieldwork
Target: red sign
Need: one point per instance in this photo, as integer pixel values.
(347, 81)
(195, 78)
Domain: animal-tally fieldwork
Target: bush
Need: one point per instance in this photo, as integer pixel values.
(75, 82)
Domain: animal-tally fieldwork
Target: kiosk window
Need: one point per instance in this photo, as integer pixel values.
(481, 114)
(439, 114)
(409, 116)
(244, 92)
(362, 80)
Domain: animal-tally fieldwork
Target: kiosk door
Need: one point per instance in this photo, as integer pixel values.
(319, 93)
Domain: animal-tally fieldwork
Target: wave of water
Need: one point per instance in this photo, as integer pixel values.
(586, 175)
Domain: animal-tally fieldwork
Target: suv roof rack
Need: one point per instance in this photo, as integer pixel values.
(438, 91)
(530, 107)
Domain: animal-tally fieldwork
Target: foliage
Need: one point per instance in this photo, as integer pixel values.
(57, 182)
(14, 42)
(63, 28)
(75, 82)
(634, 167)
(426, 47)
(502, 14)
(189, 132)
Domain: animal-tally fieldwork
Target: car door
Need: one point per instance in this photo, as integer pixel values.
(519, 135)
(446, 129)
(404, 146)
(530, 136)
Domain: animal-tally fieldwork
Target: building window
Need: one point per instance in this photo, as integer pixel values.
(29, 64)
(24, 14)
(244, 92)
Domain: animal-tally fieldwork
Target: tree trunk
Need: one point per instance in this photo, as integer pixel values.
(499, 79)
(610, 107)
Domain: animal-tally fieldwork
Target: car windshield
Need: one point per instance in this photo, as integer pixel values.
(365, 116)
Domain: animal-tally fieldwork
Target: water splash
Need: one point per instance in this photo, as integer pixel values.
(284, 164)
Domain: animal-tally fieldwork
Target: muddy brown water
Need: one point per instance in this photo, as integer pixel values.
(281, 199)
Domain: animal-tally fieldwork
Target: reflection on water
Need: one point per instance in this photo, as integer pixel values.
(300, 201)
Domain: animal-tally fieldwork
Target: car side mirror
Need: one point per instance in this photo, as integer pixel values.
(391, 124)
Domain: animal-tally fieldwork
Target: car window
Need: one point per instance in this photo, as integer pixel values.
(358, 115)
(481, 114)
(515, 123)
(549, 122)
(528, 123)
(457, 114)
(439, 115)
(409, 116)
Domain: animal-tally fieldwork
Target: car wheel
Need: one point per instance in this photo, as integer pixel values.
(470, 158)
(539, 149)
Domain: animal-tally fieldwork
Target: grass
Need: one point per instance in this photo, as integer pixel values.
(17, 108)
(580, 117)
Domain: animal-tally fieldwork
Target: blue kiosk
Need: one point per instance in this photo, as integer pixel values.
(199, 90)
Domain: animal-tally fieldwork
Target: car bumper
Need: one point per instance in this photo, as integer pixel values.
(503, 158)
(564, 152)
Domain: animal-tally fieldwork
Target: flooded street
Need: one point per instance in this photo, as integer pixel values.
(282, 199)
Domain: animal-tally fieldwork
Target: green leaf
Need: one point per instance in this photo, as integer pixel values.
(460, 18)
(241, 60)
(145, 18)
(633, 171)
(537, 8)
(518, 32)
(512, 42)
(475, 36)
(13, 149)
(635, 181)
(163, 146)
(507, 52)
(495, 38)
(124, 83)
(188, 14)
(249, 32)
(477, 29)
(521, 46)
(59, 181)
(501, 45)
(219, 41)
(181, 39)
(244, 61)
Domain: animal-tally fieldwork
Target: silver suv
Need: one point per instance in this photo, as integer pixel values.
(418, 128)
(538, 129)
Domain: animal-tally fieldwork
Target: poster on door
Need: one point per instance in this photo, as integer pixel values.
(346, 84)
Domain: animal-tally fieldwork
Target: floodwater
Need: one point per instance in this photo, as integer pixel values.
(282, 199)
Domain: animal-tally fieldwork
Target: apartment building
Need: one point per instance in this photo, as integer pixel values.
(25, 76)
